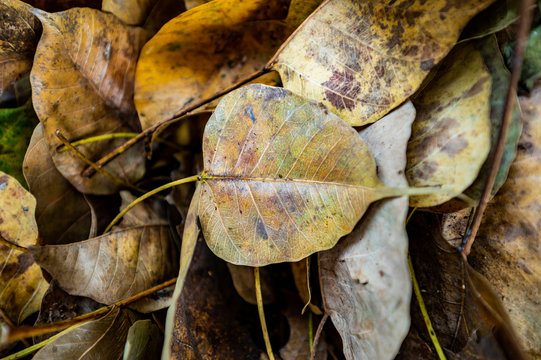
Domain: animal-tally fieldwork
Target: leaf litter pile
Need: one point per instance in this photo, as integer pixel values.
(289, 179)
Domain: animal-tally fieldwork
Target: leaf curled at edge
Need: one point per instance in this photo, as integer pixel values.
(283, 177)
(82, 84)
(451, 133)
(363, 58)
(364, 278)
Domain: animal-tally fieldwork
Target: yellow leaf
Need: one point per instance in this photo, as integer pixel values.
(451, 134)
(363, 58)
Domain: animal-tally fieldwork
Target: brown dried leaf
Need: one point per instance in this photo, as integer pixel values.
(82, 84)
(364, 278)
(244, 282)
(98, 339)
(363, 58)
(113, 266)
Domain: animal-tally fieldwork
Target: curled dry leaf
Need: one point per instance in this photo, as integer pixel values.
(363, 58)
(507, 250)
(54, 196)
(283, 177)
(15, 131)
(20, 31)
(113, 266)
(207, 49)
(364, 278)
(21, 283)
(82, 84)
(98, 339)
(451, 134)
(460, 302)
(144, 341)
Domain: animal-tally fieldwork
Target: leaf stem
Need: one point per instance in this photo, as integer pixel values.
(179, 114)
(261, 311)
(92, 139)
(81, 156)
(526, 11)
(149, 194)
(318, 335)
(23, 332)
(310, 331)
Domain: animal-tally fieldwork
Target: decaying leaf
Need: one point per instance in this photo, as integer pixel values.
(364, 278)
(460, 302)
(21, 282)
(496, 17)
(113, 266)
(98, 339)
(82, 84)
(143, 342)
(54, 196)
(15, 131)
(284, 177)
(207, 319)
(363, 58)
(207, 49)
(451, 134)
(20, 30)
(507, 250)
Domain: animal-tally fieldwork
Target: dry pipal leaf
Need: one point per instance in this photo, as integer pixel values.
(363, 58)
(21, 283)
(207, 49)
(113, 266)
(450, 137)
(98, 339)
(283, 177)
(364, 278)
(54, 196)
(507, 250)
(82, 83)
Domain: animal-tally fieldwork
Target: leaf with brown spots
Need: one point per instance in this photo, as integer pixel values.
(364, 278)
(207, 49)
(451, 134)
(82, 83)
(283, 177)
(21, 283)
(20, 30)
(507, 250)
(363, 58)
(103, 338)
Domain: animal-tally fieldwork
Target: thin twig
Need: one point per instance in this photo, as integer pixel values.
(318, 335)
(261, 311)
(24, 331)
(516, 68)
(179, 114)
(89, 162)
(11, 325)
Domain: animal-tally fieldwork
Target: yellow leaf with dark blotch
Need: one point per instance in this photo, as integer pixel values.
(21, 283)
(507, 250)
(113, 266)
(54, 196)
(363, 58)
(82, 84)
(103, 338)
(451, 134)
(364, 278)
(283, 177)
(19, 29)
(205, 50)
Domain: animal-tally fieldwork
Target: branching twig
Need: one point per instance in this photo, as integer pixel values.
(516, 68)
